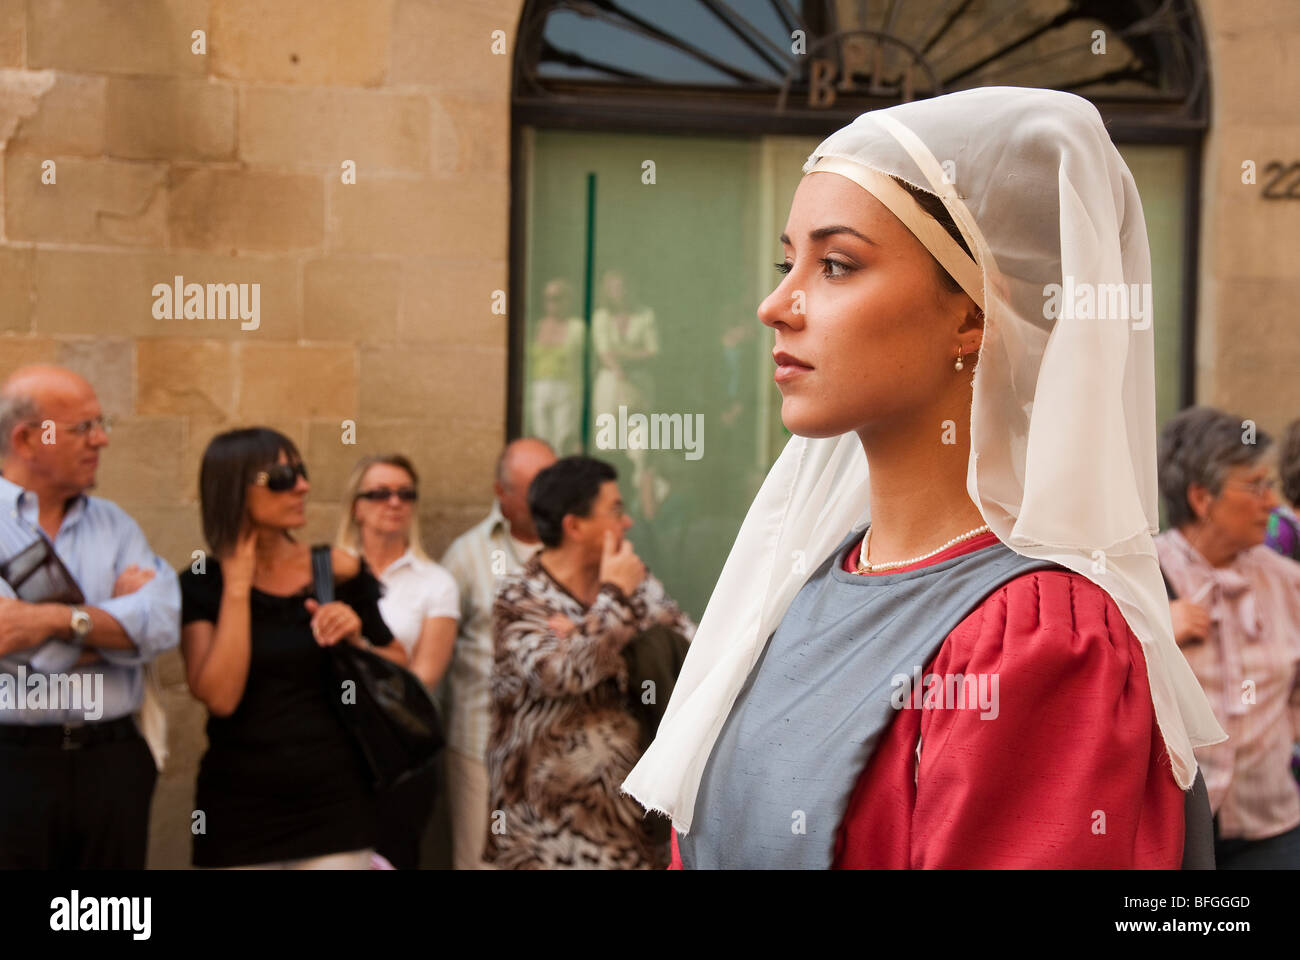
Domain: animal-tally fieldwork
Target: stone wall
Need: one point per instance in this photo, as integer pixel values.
(1248, 346)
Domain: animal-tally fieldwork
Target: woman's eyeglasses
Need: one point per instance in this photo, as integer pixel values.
(281, 477)
(1259, 488)
(383, 494)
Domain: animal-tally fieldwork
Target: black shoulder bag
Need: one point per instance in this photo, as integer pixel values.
(389, 713)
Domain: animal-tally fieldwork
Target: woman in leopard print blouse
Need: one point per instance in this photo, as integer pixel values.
(563, 736)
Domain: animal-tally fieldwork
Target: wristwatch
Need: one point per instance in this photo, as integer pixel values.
(80, 624)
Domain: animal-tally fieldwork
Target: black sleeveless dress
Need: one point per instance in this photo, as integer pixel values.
(282, 778)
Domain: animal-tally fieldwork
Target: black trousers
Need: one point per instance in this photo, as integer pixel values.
(1280, 852)
(77, 800)
(404, 814)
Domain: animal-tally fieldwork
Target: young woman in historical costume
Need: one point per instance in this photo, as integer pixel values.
(941, 638)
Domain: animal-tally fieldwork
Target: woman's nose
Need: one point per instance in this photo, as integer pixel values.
(778, 306)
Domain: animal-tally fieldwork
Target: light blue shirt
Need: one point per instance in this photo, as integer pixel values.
(96, 542)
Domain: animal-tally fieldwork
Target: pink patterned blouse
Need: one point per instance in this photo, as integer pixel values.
(1248, 667)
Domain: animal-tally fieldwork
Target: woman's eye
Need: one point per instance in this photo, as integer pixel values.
(829, 267)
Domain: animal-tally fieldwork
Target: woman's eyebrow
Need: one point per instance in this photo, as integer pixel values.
(821, 233)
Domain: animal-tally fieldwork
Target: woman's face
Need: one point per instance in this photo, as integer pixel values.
(392, 514)
(1239, 514)
(862, 305)
(283, 510)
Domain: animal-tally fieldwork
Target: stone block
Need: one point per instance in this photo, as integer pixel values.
(462, 218)
(174, 531)
(69, 119)
(311, 382)
(91, 201)
(234, 210)
(107, 364)
(471, 136)
(185, 377)
(18, 352)
(16, 289)
(142, 463)
(13, 23)
(321, 42)
(351, 299)
(466, 384)
(454, 53)
(117, 36)
(320, 128)
(170, 118)
(89, 292)
(450, 302)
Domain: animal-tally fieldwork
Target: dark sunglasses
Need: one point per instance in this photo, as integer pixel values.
(281, 477)
(382, 494)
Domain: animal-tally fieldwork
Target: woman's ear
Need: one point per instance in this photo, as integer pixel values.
(971, 332)
(1199, 499)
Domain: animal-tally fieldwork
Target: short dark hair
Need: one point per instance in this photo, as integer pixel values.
(230, 464)
(1288, 466)
(568, 486)
(1197, 447)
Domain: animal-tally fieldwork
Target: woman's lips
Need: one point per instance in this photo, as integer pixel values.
(787, 366)
(788, 371)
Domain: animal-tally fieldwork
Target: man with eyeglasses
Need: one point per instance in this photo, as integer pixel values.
(77, 777)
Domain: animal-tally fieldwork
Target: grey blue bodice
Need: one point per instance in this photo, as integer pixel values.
(807, 720)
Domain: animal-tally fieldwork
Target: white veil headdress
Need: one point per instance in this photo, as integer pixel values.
(1063, 423)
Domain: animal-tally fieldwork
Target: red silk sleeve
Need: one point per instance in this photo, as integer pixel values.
(1071, 772)
(677, 857)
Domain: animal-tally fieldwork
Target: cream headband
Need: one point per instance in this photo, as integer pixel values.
(923, 226)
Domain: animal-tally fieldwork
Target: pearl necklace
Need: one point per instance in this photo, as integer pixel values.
(865, 567)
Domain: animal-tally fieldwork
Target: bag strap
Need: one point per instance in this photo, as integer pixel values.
(322, 572)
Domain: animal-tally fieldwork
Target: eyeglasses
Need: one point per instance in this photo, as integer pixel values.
(281, 477)
(1259, 488)
(383, 494)
(80, 430)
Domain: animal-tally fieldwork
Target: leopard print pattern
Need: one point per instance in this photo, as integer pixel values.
(563, 739)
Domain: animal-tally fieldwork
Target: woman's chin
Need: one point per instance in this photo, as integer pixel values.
(803, 423)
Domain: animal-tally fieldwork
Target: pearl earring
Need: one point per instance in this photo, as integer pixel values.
(958, 364)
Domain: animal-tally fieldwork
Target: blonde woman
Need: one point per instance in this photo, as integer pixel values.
(421, 605)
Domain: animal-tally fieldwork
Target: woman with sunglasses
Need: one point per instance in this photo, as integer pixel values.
(421, 604)
(282, 784)
(1236, 617)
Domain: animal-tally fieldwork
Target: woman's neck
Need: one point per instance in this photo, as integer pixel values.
(273, 544)
(918, 493)
(573, 571)
(1207, 540)
(382, 548)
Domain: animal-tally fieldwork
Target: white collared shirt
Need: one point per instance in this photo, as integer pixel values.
(478, 559)
(414, 590)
